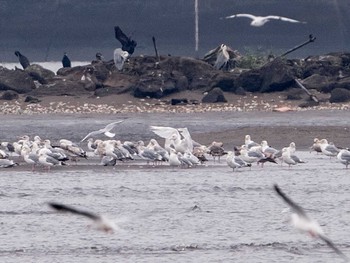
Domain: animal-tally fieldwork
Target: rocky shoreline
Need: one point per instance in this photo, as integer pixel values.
(178, 84)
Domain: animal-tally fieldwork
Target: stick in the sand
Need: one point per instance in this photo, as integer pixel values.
(155, 47)
(313, 97)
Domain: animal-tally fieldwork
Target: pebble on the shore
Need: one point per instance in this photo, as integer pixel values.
(160, 107)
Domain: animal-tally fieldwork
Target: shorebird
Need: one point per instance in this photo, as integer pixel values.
(304, 223)
(106, 131)
(100, 222)
(259, 21)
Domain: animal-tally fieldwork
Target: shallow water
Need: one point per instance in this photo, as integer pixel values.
(240, 217)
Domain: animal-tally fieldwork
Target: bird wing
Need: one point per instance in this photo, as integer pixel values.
(283, 19)
(332, 246)
(164, 132)
(119, 34)
(91, 134)
(298, 209)
(70, 209)
(112, 125)
(109, 134)
(242, 15)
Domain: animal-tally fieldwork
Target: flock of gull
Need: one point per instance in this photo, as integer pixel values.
(179, 150)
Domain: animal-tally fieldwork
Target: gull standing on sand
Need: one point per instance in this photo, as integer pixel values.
(259, 21)
(328, 149)
(344, 157)
(100, 222)
(106, 131)
(301, 221)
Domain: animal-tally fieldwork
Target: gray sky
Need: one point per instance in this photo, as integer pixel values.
(43, 30)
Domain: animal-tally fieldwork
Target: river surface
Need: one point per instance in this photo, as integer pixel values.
(238, 217)
(203, 214)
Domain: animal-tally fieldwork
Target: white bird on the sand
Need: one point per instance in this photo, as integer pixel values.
(267, 150)
(174, 158)
(235, 161)
(301, 221)
(249, 142)
(328, 149)
(259, 21)
(46, 160)
(6, 163)
(100, 223)
(180, 138)
(120, 56)
(344, 157)
(106, 131)
(72, 149)
(286, 157)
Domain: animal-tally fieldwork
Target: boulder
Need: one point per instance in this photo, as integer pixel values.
(16, 80)
(31, 99)
(214, 96)
(339, 95)
(153, 89)
(250, 81)
(9, 95)
(318, 82)
(118, 83)
(61, 87)
(39, 73)
(276, 76)
(225, 81)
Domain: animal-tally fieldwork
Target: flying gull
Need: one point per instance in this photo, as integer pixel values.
(303, 222)
(100, 222)
(259, 21)
(106, 131)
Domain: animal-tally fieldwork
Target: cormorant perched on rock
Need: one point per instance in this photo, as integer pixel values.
(127, 44)
(22, 59)
(66, 61)
(99, 56)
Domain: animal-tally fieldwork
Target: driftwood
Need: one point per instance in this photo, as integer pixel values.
(311, 39)
(313, 97)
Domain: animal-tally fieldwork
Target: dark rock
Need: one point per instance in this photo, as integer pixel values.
(17, 80)
(308, 104)
(9, 95)
(250, 81)
(295, 94)
(276, 76)
(37, 72)
(118, 83)
(339, 95)
(343, 83)
(214, 96)
(61, 87)
(30, 99)
(318, 82)
(240, 91)
(225, 81)
(102, 92)
(153, 89)
(178, 101)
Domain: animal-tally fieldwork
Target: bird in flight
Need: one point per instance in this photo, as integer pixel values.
(303, 222)
(101, 223)
(259, 21)
(106, 131)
